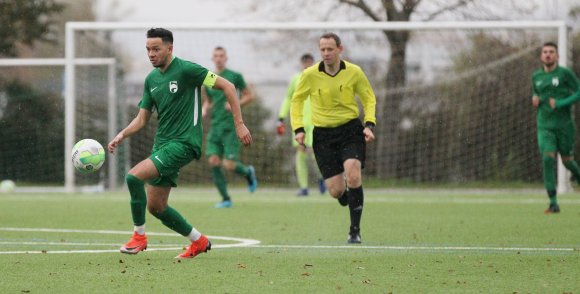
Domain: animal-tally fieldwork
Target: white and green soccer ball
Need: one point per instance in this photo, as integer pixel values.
(88, 156)
(7, 186)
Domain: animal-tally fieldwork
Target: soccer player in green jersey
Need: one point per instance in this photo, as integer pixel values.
(303, 154)
(339, 137)
(173, 89)
(555, 89)
(222, 146)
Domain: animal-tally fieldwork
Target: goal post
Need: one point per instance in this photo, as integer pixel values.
(110, 63)
(261, 30)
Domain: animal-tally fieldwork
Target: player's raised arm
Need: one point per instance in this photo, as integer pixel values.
(230, 91)
(134, 126)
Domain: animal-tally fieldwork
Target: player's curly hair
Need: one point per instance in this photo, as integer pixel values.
(165, 35)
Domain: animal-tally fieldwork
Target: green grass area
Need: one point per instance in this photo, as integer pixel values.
(414, 241)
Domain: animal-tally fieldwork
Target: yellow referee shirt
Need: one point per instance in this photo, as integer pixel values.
(332, 98)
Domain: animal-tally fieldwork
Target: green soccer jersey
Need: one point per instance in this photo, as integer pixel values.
(220, 117)
(560, 84)
(176, 96)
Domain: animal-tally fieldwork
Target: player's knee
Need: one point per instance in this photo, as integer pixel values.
(214, 161)
(228, 165)
(548, 160)
(335, 192)
(133, 180)
(155, 209)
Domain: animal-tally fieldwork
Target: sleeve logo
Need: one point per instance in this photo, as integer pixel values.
(173, 86)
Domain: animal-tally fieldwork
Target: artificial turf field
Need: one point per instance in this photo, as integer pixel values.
(414, 241)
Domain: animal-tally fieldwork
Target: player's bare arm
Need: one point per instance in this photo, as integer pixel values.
(206, 102)
(299, 137)
(139, 122)
(369, 135)
(535, 101)
(552, 103)
(230, 91)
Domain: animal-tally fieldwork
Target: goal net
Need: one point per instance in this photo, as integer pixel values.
(457, 110)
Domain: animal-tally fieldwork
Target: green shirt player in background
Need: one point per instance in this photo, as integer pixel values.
(555, 89)
(222, 147)
(302, 151)
(173, 89)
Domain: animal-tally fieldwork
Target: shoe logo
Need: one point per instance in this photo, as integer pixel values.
(153, 89)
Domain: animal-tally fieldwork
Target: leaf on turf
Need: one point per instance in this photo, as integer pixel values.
(121, 261)
(240, 265)
(367, 281)
(308, 265)
(123, 271)
(306, 274)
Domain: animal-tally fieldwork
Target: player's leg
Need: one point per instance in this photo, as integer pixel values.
(566, 144)
(301, 163)
(329, 162)
(136, 178)
(547, 144)
(310, 157)
(352, 171)
(172, 157)
(157, 205)
(231, 160)
(214, 151)
(353, 154)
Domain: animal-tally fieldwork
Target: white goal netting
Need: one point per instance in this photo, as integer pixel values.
(456, 111)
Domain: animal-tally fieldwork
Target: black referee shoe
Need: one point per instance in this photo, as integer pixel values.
(354, 236)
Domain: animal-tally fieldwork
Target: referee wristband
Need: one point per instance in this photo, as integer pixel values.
(299, 130)
(370, 125)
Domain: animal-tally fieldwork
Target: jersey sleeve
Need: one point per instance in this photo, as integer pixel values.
(367, 97)
(196, 73)
(285, 107)
(574, 85)
(240, 83)
(146, 101)
(301, 93)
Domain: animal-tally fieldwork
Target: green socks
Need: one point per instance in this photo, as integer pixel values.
(173, 220)
(301, 169)
(241, 169)
(549, 173)
(138, 199)
(220, 182)
(572, 166)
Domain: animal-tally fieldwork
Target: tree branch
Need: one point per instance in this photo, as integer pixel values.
(447, 8)
(362, 5)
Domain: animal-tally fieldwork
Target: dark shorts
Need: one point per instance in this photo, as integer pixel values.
(332, 146)
(169, 159)
(223, 142)
(561, 140)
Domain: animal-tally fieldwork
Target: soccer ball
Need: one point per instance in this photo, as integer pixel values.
(88, 156)
(7, 186)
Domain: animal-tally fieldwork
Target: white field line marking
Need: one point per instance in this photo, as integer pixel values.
(249, 243)
(420, 248)
(241, 241)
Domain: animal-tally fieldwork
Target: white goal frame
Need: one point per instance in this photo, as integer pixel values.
(72, 27)
(111, 103)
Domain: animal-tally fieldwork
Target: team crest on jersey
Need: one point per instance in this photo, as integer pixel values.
(173, 86)
(555, 82)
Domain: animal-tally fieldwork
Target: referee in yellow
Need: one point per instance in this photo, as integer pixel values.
(339, 137)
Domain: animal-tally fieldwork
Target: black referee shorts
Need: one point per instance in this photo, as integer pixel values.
(332, 146)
